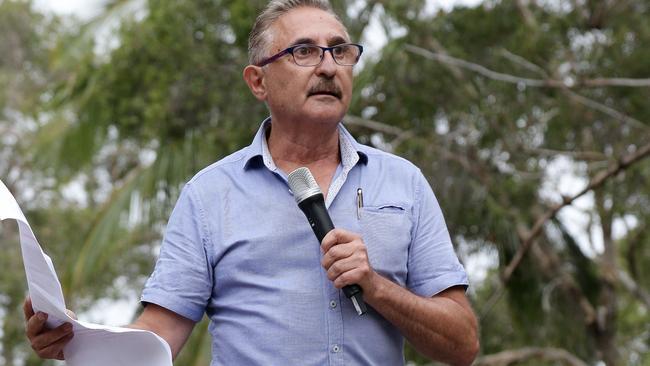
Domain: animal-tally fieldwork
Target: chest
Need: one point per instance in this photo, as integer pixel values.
(266, 236)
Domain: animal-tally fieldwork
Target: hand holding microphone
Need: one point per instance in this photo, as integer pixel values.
(311, 201)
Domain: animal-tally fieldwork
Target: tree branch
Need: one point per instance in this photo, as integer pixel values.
(579, 98)
(536, 83)
(401, 135)
(373, 125)
(482, 69)
(529, 19)
(631, 252)
(625, 82)
(628, 282)
(581, 155)
(547, 82)
(523, 62)
(614, 169)
(604, 109)
(524, 354)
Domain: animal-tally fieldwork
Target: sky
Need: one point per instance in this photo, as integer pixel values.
(86, 9)
(373, 40)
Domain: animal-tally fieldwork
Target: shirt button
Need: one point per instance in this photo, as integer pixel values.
(332, 304)
(336, 348)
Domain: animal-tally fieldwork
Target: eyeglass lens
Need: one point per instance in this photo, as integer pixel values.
(309, 55)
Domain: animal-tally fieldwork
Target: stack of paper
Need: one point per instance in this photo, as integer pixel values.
(93, 344)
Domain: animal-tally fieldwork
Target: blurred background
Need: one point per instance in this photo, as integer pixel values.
(530, 118)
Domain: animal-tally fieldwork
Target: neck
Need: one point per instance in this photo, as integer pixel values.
(304, 144)
(315, 146)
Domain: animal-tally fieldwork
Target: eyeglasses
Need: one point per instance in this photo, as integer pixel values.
(346, 54)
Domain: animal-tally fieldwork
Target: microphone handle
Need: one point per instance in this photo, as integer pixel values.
(321, 223)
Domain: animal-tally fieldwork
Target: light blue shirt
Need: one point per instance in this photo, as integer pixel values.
(238, 249)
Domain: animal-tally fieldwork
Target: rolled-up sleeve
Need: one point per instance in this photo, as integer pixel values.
(432, 264)
(182, 278)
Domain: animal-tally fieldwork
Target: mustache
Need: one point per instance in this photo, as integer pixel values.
(326, 86)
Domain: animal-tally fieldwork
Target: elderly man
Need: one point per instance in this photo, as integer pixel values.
(238, 249)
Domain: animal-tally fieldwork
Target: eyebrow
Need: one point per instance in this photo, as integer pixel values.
(330, 42)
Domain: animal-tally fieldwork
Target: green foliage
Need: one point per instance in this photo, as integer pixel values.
(127, 125)
(486, 144)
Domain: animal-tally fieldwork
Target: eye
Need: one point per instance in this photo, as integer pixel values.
(303, 51)
(340, 50)
(344, 52)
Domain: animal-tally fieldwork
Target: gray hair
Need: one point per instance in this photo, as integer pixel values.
(258, 40)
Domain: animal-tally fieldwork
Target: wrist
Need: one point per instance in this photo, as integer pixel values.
(375, 291)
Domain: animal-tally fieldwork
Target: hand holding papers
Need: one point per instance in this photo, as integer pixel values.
(92, 344)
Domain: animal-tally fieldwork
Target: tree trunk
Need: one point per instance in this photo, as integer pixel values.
(605, 327)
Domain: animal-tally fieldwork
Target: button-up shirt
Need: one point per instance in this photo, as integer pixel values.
(238, 249)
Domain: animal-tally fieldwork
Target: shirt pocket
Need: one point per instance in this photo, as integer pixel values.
(386, 231)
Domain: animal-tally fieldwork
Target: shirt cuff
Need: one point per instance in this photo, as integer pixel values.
(441, 283)
(173, 303)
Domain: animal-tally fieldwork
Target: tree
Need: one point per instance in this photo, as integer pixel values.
(25, 39)
(487, 101)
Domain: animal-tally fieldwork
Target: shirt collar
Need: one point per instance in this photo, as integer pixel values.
(258, 152)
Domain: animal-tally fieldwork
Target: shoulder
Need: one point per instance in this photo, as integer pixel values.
(213, 181)
(228, 166)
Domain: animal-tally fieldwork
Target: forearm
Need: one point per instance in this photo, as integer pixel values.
(442, 328)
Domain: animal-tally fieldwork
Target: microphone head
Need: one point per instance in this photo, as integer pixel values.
(302, 184)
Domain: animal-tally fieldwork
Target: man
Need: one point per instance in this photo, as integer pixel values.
(238, 248)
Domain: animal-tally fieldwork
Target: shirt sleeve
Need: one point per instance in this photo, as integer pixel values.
(182, 278)
(432, 264)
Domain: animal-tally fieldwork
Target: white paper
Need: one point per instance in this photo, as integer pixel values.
(92, 344)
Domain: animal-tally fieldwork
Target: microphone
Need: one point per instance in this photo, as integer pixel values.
(310, 200)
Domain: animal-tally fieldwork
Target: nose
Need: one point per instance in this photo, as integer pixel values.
(328, 66)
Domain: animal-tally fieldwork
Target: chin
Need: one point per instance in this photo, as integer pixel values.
(326, 113)
(328, 117)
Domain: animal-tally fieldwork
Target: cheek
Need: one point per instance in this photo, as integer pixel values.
(346, 81)
(276, 88)
(284, 81)
(347, 88)
(281, 94)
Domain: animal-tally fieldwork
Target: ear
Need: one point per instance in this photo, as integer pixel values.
(254, 77)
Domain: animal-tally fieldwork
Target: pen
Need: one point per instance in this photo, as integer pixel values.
(359, 202)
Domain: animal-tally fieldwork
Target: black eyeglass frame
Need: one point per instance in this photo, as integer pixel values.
(290, 50)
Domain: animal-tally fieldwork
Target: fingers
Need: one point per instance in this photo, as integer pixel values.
(337, 236)
(336, 253)
(55, 350)
(27, 308)
(354, 276)
(35, 325)
(50, 343)
(47, 343)
(350, 270)
(345, 258)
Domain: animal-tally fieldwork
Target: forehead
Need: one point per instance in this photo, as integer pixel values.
(307, 23)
